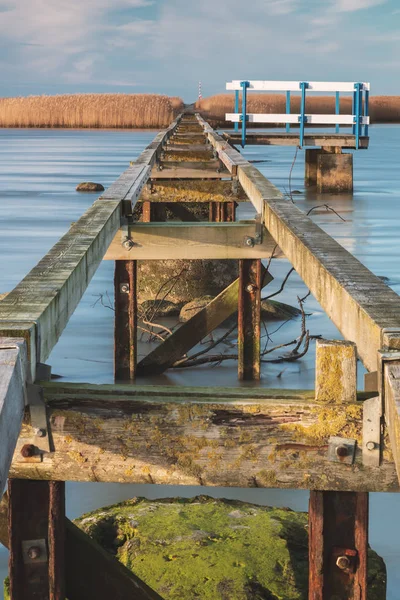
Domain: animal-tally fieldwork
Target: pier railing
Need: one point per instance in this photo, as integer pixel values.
(358, 120)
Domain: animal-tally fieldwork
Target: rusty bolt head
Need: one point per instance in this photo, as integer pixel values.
(370, 445)
(40, 433)
(251, 288)
(342, 451)
(249, 242)
(34, 552)
(28, 450)
(343, 562)
(124, 288)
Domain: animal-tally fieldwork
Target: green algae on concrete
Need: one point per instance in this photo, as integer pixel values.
(213, 549)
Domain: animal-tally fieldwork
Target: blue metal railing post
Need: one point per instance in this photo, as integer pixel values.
(302, 118)
(366, 110)
(358, 112)
(337, 110)
(244, 85)
(237, 109)
(353, 112)
(287, 110)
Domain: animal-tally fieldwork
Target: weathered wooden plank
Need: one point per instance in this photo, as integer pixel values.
(340, 140)
(213, 436)
(90, 571)
(191, 332)
(188, 172)
(249, 319)
(193, 191)
(37, 540)
(177, 240)
(358, 302)
(13, 375)
(125, 329)
(49, 294)
(392, 406)
(129, 185)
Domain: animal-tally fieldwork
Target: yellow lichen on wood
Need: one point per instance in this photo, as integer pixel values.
(336, 372)
(195, 191)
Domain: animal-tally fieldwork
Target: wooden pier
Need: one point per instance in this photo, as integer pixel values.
(338, 442)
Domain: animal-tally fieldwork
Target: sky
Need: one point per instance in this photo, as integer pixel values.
(167, 46)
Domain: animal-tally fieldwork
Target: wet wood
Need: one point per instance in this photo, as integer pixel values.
(236, 437)
(90, 571)
(125, 328)
(36, 522)
(191, 333)
(249, 321)
(13, 375)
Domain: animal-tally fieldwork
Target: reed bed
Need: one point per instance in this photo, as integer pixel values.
(383, 109)
(90, 111)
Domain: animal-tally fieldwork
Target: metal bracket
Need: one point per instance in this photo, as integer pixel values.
(341, 450)
(38, 414)
(126, 240)
(372, 432)
(34, 552)
(43, 372)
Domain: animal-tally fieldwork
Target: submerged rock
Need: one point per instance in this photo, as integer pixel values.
(159, 308)
(192, 308)
(214, 549)
(89, 186)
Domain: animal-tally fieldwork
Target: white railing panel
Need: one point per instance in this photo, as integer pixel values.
(293, 119)
(294, 86)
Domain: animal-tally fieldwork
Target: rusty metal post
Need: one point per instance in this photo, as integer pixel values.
(230, 212)
(249, 319)
(216, 212)
(37, 539)
(338, 544)
(338, 521)
(125, 330)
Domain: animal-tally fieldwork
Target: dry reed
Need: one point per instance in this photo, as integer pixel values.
(383, 109)
(90, 110)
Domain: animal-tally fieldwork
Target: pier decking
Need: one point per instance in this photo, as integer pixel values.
(338, 442)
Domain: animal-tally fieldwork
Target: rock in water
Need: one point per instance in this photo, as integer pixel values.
(214, 549)
(89, 186)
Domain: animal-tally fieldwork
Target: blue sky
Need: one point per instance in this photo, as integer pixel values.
(167, 46)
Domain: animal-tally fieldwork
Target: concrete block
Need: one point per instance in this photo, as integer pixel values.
(334, 173)
(310, 175)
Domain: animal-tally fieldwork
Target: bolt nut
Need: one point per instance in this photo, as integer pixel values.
(128, 244)
(124, 288)
(40, 433)
(370, 446)
(251, 288)
(342, 451)
(249, 241)
(34, 552)
(343, 562)
(28, 450)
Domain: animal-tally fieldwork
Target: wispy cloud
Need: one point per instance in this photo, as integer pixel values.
(353, 5)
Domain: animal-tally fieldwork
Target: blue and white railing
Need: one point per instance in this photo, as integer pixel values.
(358, 120)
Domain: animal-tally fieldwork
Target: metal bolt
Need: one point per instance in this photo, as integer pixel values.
(128, 244)
(370, 445)
(28, 450)
(34, 552)
(40, 433)
(343, 562)
(249, 241)
(124, 288)
(251, 288)
(342, 451)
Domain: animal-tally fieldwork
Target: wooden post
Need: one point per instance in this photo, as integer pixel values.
(249, 319)
(338, 521)
(37, 539)
(125, 332)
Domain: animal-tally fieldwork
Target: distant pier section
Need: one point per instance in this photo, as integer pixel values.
(326, 166)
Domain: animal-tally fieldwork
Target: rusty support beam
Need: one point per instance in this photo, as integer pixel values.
(338, 533)
(37, 539)
(249, 319)
(338, 521)
(125, 331)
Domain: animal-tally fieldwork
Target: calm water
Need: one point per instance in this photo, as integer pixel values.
(39, 170)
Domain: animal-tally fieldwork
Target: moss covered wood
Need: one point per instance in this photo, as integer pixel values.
(209, 436)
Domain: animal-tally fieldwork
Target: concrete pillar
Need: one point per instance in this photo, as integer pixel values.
(334, 173)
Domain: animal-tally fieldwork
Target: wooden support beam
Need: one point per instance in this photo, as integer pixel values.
(90, 571)
(391, 388)
(191, 333)
(338, 521)
(125, 331)
(249, 319)
(197, 240)
(14, 371)
(237, 437)
(37, 540)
